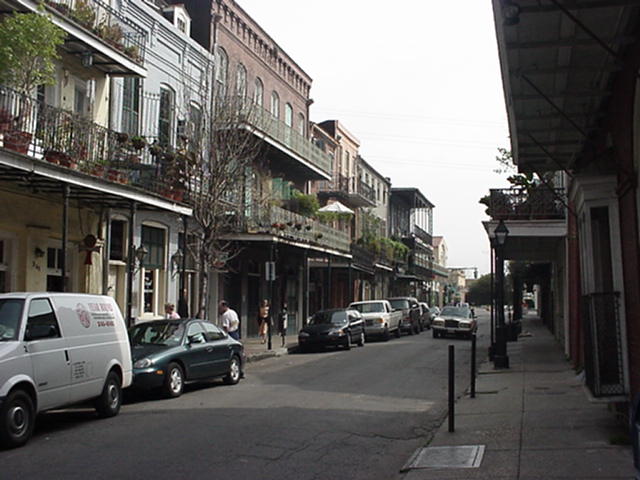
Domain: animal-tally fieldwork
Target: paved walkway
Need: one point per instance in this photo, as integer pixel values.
(535, 421)
(255, 350)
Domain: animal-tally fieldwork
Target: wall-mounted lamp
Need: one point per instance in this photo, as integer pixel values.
(38, 252)
(140, 253)
(510, 13)
(176, 260)
(86, 59)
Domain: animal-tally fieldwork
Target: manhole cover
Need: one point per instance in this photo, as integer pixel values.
(464, 456)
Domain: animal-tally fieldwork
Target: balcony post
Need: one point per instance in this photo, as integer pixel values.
(131, 263)
(65, 232)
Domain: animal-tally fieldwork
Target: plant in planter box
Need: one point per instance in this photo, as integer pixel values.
(132, 51)
(138, 142)
(28, 47)
(156, 149)
(112, 34)
(84, 14)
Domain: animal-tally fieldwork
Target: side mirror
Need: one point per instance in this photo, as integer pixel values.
(195, 339)
(38, 332)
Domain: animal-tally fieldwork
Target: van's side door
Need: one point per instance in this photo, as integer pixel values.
(47, 348)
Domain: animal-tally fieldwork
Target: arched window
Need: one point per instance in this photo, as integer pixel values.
(241, 81)
(259, 92)
(288, 115)
(222, 64)
(275, 104)
(301, 125)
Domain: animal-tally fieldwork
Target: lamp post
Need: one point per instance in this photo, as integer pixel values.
(500, 358)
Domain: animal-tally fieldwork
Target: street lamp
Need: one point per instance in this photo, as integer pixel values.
(500, 358)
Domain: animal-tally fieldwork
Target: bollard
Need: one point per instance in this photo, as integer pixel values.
(473, 366)
(451, 388)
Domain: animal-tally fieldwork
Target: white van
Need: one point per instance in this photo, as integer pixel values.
(57, 349)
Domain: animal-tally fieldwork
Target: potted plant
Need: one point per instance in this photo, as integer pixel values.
(84, 14)
(155, 149)
(138, 142)
(28, 47)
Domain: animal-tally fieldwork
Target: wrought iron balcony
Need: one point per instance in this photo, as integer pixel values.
(350, 189)
(73, 143)
(604, 367)
(301, 150)
(423, 235)
(535, 203)
(284, 223)
(100, 34)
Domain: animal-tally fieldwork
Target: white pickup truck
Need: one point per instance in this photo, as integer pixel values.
(380, 319)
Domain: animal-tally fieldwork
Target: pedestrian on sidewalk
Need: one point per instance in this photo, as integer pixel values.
(282, 323)
(229, 320)
(264, 320)
(170, 311)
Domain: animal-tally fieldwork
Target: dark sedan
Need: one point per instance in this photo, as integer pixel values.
(168, 353)
(336, 327)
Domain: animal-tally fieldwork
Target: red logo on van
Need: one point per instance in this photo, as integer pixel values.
(83, 315)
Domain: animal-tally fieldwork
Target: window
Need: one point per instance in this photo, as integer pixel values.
(80, 98)
(153, 240)
(41, 316)
(213, 333)
(182, 25)
(165, 119)
(241, 81)
(301, 125)
(221, 72)
(54, 270)
(196, 334)
(275, 105)
(130, 105)
(259, 92)
(288, 115)
(4, 266)
(195, 122)
(117, 240)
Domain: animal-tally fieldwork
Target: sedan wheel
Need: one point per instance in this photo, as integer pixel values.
(174, 381)
(347, 345)
(435, 333)
(235, 372)
(361, 340)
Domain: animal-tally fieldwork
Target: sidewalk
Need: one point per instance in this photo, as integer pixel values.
(534, 420)
(256, 351)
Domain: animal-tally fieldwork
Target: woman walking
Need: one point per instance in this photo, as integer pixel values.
(263, 320)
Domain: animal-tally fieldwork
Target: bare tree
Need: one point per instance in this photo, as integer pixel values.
(213, 167)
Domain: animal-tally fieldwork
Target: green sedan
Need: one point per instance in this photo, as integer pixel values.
(166, 354)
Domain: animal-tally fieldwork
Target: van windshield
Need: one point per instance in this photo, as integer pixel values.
(10, 314)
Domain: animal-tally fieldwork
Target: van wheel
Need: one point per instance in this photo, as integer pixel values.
(17, 419)
(109, 402)
(234, 374)
(174, 381)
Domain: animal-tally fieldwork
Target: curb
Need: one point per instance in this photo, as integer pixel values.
(277, 352)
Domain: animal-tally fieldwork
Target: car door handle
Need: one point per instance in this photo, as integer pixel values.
(66, 356)
(209, 349)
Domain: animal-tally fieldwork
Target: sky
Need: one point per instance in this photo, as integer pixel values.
(418, 83)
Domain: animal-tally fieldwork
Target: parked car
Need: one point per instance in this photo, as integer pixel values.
(425, 315)
(169, 353)
(435, 311)
(455, 321)
(410, 313)
(59, 349)
(338, 327)
(380, 319)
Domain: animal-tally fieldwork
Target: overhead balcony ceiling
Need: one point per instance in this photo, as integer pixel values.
(558, 62)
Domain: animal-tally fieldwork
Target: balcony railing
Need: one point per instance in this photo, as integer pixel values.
(536, 203)
(284, 223)
(362, 256)
(105, 22)
(422, 235)
(603, 345)
(261, 119)
(74, 143)
(350, 186)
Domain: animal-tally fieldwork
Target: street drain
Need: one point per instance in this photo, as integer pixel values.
(465, 456)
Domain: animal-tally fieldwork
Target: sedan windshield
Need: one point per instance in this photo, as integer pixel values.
(461, 312)
(397, 304)
(329, 318)
(167, 334)
(375, 307)
(10, 313)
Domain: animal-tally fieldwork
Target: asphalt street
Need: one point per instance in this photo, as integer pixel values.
(355, 414)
